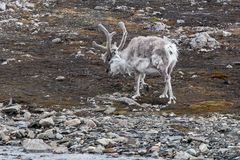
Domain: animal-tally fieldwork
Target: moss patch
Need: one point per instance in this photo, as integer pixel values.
(202, 107)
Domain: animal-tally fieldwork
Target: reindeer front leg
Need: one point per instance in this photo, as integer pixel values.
(137, 86)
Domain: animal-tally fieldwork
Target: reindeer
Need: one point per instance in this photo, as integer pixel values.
(143, 55)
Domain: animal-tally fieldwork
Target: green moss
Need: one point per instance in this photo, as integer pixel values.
(153, 19)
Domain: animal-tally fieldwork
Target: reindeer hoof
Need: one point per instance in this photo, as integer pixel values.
(163, 96)
(172, 100)
(135, 96)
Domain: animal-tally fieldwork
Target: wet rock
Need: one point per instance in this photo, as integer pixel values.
(12, 109)
(35, 145)
(46, 122)
(56, 40)
(202, 40)
(31, 134)
(73, 122)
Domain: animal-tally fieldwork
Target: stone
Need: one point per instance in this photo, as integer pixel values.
(60, 149)
(60, 78)
(59, 136)
(12, 109)
(4, 137)
(48, 134)
(159, 26)
(35, 145)
(110, 110)
(27, 115)
(72, 122)
(192, 152)
(3, 6)
(120, 140)
(46, 122)
(182, 156)
(155, 148)
(92, 149)
(31, 134)
(203, 148)
(90, 123)
(202, 40)
(56, 40)
(105, 141)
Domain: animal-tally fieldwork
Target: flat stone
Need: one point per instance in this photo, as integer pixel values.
(60, 149)
(105, 141)
(46, 122)
(72, 122)
(35, 145)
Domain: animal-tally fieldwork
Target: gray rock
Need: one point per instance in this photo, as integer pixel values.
(60, 149)
(203, 40)
(12, 109)
(27, 115)
(48, 134)
(105, 141)
(192, 152)
(203, 148)
(3, 6)
(159, 26)
(110, 110)
(35, 145)
(72, 122)
(182, 156)
(56, 40)
(4, 137)
(46, 122)
(89, 123)
(59, 136)
(92, 149)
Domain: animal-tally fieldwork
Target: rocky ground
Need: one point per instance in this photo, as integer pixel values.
(57, 98)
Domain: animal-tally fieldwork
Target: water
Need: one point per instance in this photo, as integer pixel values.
(17, 153)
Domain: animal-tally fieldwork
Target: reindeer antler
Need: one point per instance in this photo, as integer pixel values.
(124, 37)
(109, 39)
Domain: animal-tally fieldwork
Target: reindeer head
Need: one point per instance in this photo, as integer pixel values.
(111, 49)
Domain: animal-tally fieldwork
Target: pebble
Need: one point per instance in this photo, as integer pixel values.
(56, 40)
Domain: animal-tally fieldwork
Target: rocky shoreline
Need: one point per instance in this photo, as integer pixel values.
(97, 130)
